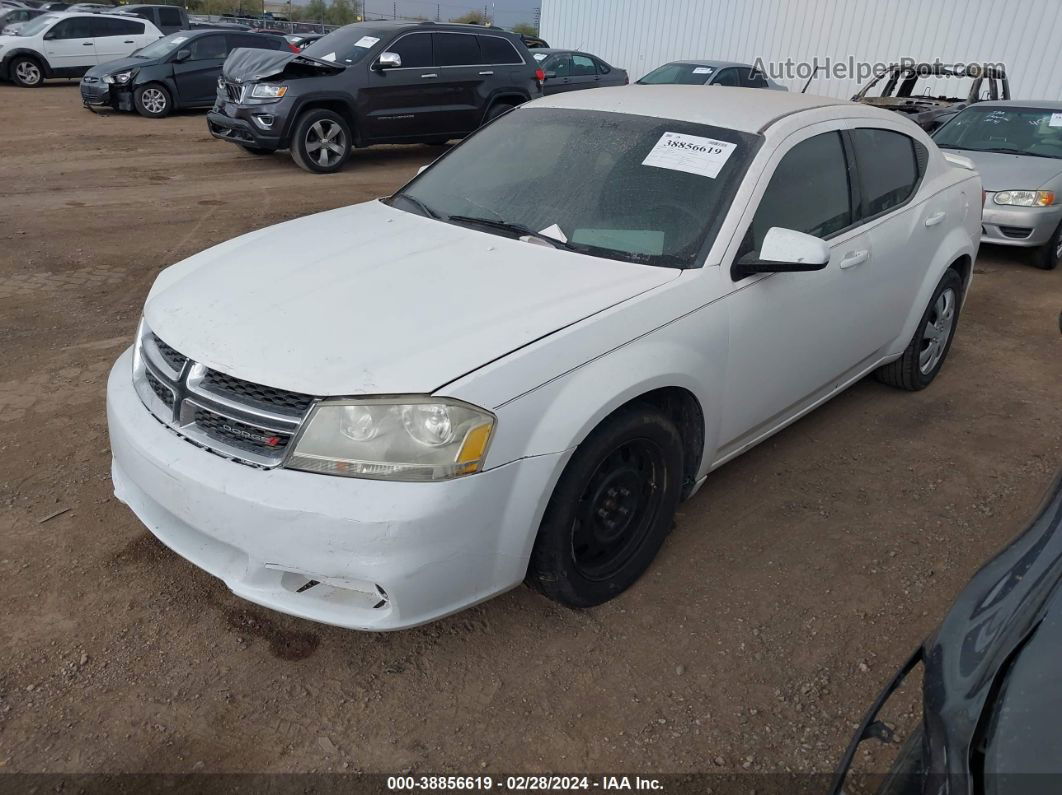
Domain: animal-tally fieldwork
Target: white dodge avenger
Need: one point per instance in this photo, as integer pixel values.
(515, 367)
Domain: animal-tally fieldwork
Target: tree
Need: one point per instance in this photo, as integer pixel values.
(341, 12)
(472, 18)
(315, 11)
(526, 28)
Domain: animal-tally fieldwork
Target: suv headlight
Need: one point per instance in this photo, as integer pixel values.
(121, 78)
(403, 438)
(268, 91)
(1026, 198)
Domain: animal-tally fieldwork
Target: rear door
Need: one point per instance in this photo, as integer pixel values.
(70, 46)
(116, 38)
(197, 77)
(461, 75)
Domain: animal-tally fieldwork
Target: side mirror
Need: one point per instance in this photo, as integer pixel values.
(182, 55)
(389, 60)
(784, 251)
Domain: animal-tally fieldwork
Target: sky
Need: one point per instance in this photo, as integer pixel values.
(506, 12)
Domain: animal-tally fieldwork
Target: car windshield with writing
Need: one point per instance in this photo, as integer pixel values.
(1021, 131)
(680, 74)
(162, 47)
(632, 188)
(346, 46)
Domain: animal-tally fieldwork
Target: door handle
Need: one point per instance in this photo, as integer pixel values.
(431, 75)
(487, 73)
(936, 218)
(853, 258)
(86, 44)
(128, 41)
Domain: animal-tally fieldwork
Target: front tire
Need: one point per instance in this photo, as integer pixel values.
(611, 509)
(152, 101)
(925, 354)
(27, 73)
(1049, 255)
(321, 141)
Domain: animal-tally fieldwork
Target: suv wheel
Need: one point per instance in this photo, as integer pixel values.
(27, 72)
(496, 110)
(611, 509)
(321, 141)
(153, 101)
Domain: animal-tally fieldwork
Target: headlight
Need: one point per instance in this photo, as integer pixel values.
(1026, 198)
(138, 346)
(268, 91)
(121, 78)
(403, 438)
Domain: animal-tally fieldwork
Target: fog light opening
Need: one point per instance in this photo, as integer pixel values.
(264, 120)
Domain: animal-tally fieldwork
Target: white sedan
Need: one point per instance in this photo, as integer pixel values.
(515, 367)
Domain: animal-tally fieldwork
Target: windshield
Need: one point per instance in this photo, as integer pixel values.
(1023, 131)
(35, 26)
(681, 74)
(162, 47)
(347, 45)
(634, 188)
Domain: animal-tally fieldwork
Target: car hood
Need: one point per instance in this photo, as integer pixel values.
(1011, 172)
(118, 65)
(368, 299)
(246, 65)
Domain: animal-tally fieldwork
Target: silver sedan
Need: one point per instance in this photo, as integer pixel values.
(1017, 147)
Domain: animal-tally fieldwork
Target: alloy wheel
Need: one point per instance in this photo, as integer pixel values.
(153, 100)
(617, 508)
(325, 143)
(28, 73)
(937, 331)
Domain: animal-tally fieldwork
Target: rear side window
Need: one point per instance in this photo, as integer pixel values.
(583, 66)
(809, 192)
(117, 27)
(496, 50)
(603, 68)
(888, 168)
(170, 17)
(143, 13)
(753, 78)
(456, 49)
(73, 28)
(727, 77)
(414, 50)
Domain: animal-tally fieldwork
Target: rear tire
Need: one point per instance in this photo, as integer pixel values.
(152, 101)
(1048, 255)
(925, 354)
(27, 72)
(496, 110)
(611, 509)
(321, 141)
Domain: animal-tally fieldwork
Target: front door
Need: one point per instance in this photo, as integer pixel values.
(69, 46)
(584, 73)
(398, 103)
(197, 76)
(795, 336)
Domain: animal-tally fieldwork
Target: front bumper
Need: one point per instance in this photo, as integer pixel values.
(1018, 226)
(386, 555)
(243, 131)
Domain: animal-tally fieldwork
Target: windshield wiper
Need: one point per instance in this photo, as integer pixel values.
(516, 229)
(418, 204)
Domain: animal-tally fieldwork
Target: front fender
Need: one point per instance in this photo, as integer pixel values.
(8, 57)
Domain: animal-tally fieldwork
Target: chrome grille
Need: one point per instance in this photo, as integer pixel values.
(240, 420)
(233, 91)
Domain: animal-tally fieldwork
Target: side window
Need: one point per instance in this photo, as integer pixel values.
(888, 168)
(207, 48)
(496, 50)
(143, 13)
(117, 27)
(583, 66)
(808, 192)
(602, 67)
(455, 49)
(727, 77)
(170, 17)
(560, 64)
(753, 78)
(414, 50)
(72, 28)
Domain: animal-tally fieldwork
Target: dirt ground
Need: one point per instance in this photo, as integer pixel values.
(795, 582)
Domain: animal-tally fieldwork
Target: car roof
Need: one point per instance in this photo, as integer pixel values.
(1046, 104)
(745, 109)
(716, 64)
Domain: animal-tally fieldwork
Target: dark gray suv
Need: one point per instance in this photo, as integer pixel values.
(371, 83)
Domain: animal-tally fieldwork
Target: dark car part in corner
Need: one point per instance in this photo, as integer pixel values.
(991, 691)
(372, 83)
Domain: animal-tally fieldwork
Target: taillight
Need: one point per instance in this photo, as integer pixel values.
(293, 48)
(540, 76)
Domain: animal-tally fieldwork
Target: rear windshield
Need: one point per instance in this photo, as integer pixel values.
(632, 188)
(348, 45)
(681, 74)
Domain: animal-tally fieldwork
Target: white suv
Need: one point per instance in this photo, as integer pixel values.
(68, 45)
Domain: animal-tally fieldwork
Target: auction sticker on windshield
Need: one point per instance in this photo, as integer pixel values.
(690, 153)
(366, 41)
(1056, 120)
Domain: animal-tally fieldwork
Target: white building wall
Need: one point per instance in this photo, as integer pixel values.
(639, 35)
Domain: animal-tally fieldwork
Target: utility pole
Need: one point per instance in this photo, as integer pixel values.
(394, 10)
